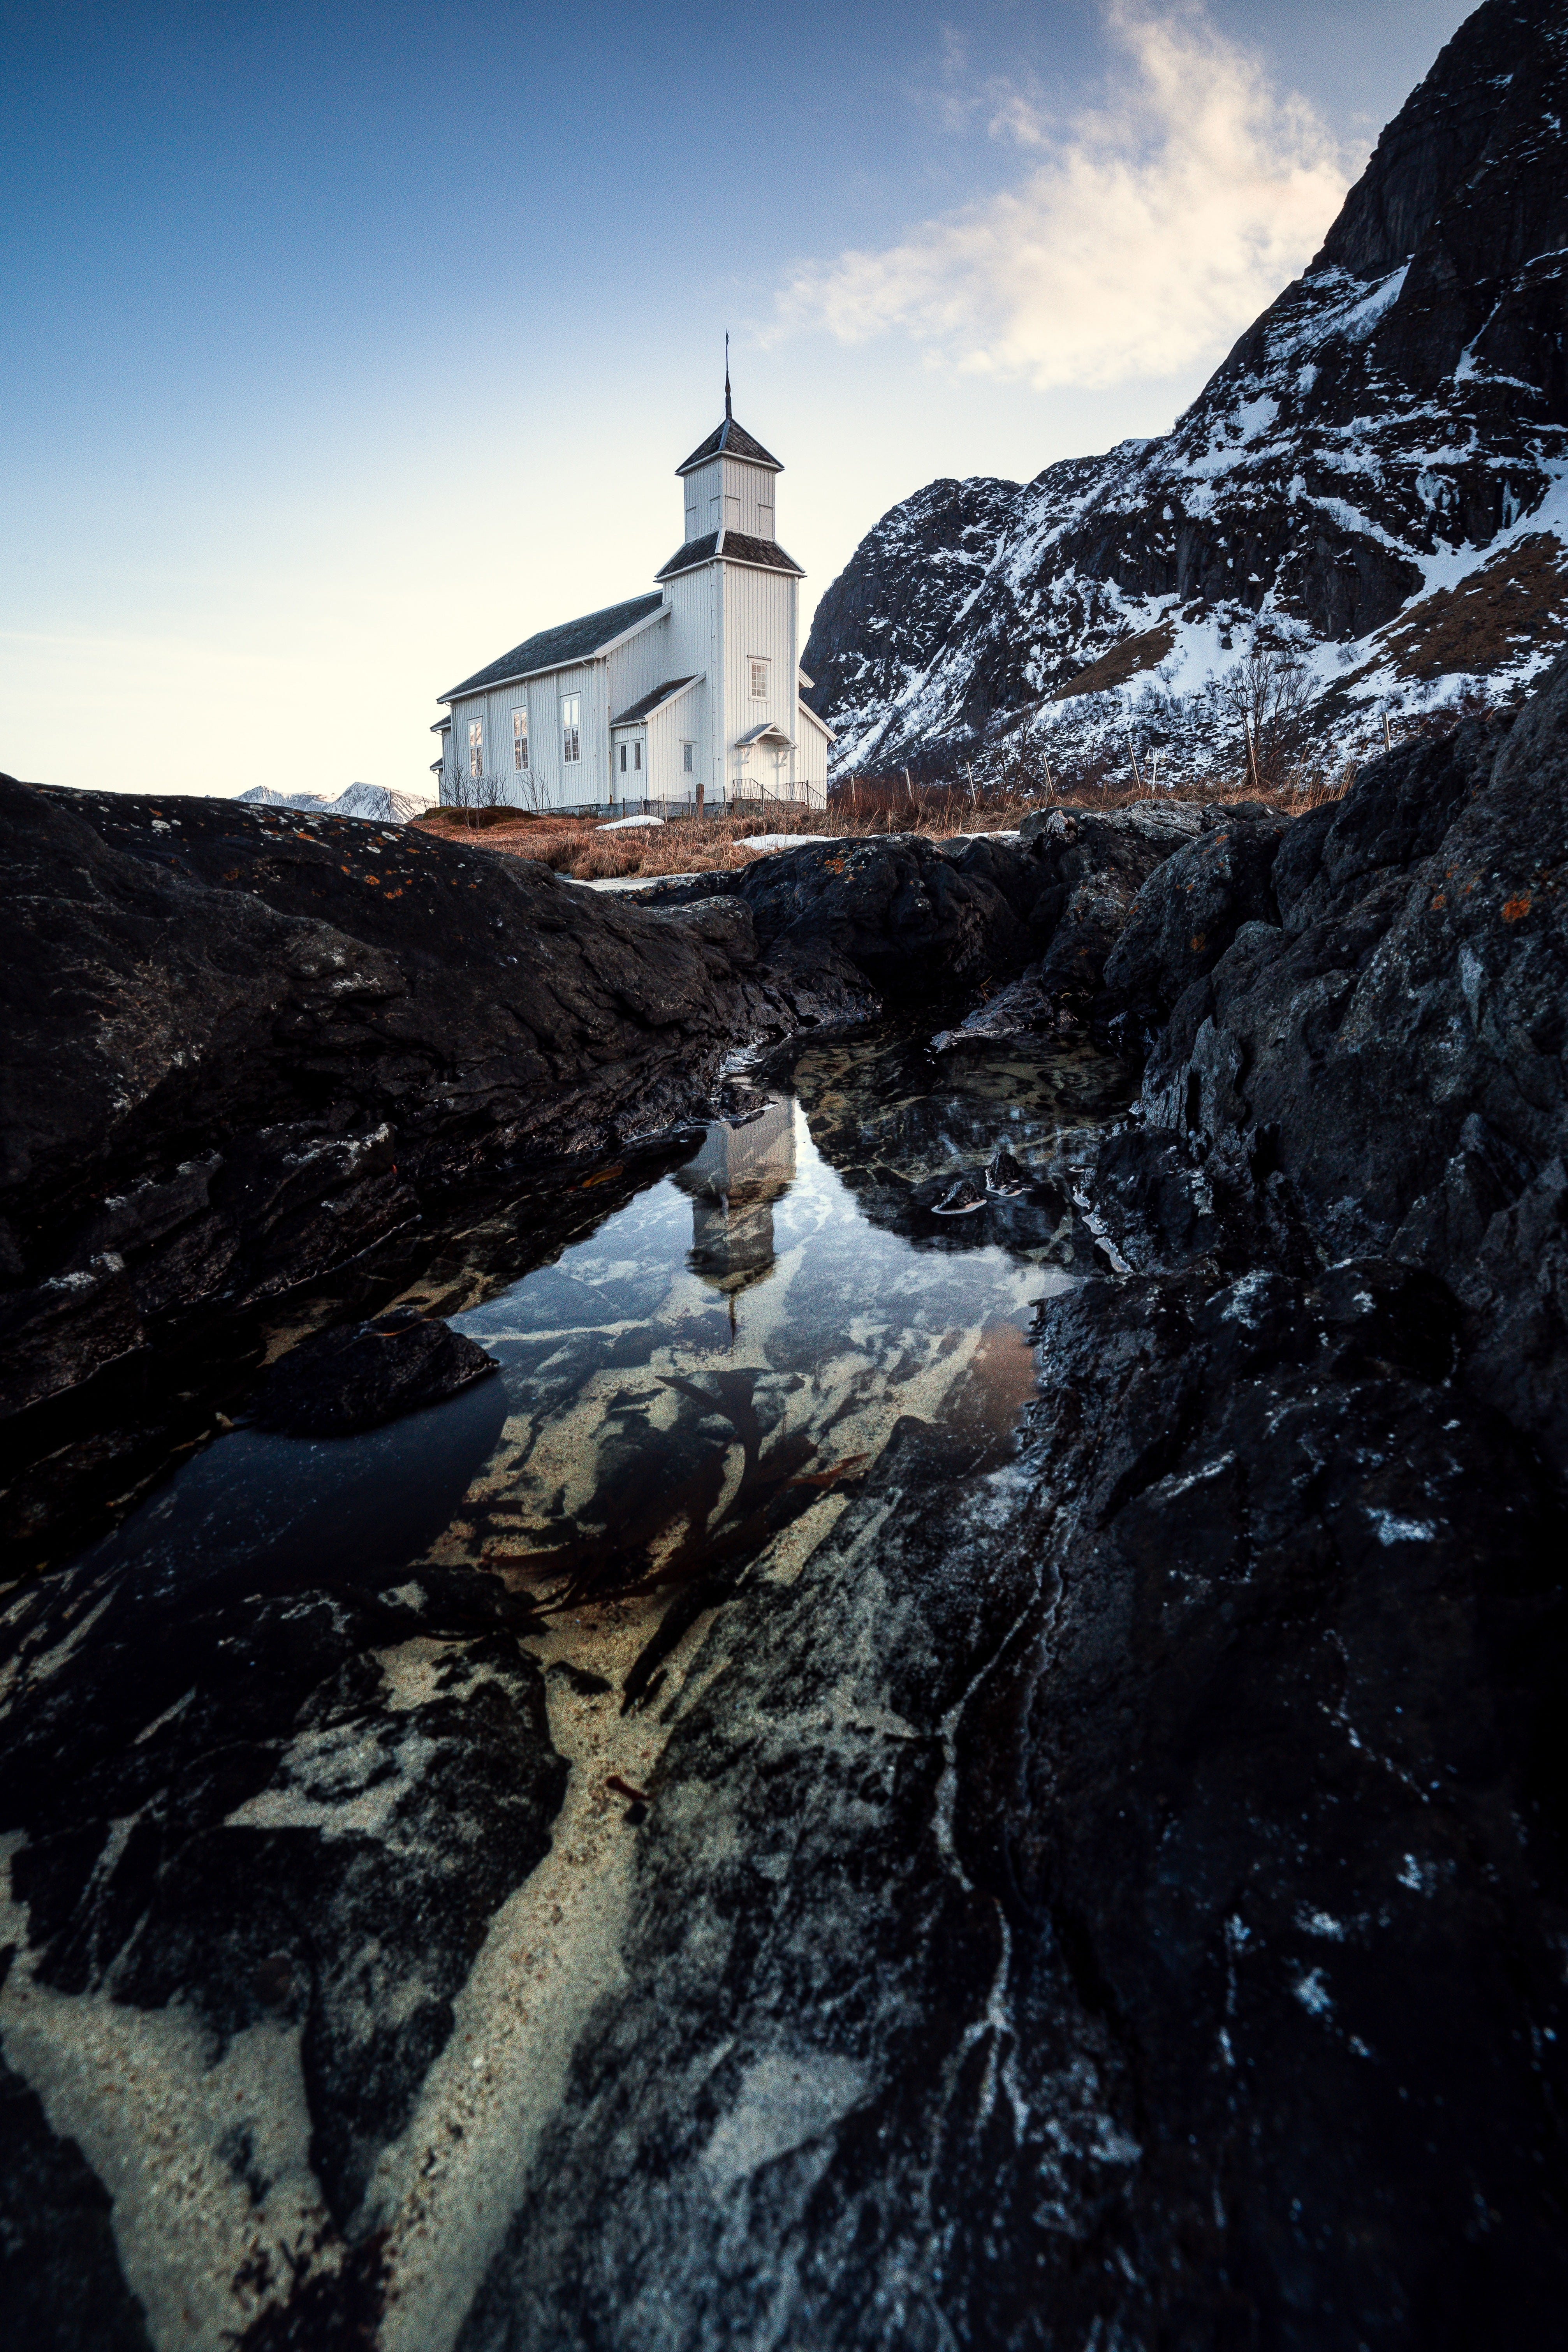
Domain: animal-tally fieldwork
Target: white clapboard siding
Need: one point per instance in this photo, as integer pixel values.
(759, 621)
(551, 781)
(751, 487)
(679, 721)
(704, 498)
(636, 667)
(696, 649)
(715, 620)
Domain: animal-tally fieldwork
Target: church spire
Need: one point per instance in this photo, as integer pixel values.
(729, 411)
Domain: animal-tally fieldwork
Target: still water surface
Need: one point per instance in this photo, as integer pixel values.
(682, 1385)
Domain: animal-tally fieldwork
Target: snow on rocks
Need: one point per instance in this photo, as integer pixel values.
(1387, 429)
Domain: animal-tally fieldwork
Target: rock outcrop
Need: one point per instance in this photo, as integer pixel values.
(1206, 1987)
(920, 916)
(242, 1045)
(1144, 1938)
(1380, 447)
(1384, 1069)
(911, 915)
(1192, 906)
(340, 1381)
(1118, 1895)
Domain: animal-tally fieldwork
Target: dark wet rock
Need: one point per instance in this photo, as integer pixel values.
(1201, 1986)
(1150, 1204)
(910, 916)
(1093, 868)
(1393, 1064)
(1022, 1009)
(244, 1046)
(61, 2285)
(302, 1780)
(1400, 810)
(1191, 906)
(1005, 1174)
(961, 1198)
(342, 1381)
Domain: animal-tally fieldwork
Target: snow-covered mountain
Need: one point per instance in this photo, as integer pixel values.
(1377, 475)
(379, 804)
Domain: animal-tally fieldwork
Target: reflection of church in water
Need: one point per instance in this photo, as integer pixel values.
(741, 1171)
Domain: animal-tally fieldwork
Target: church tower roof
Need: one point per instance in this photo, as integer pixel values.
(731, 440)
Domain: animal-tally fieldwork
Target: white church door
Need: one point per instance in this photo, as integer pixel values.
(628, 769)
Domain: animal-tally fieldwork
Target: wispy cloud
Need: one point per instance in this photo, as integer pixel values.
(1150, 232)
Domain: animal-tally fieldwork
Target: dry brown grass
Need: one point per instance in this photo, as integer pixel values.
(578, 846)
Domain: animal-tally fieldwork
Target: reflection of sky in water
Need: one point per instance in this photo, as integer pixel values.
(682, 1385)
(686, 1381)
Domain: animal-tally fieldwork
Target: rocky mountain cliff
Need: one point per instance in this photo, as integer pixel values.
(1375, 478)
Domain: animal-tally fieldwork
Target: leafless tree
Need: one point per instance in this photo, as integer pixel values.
(1269, 696)
(472, 789)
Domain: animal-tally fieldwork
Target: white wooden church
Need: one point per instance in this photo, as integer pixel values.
(690, 693)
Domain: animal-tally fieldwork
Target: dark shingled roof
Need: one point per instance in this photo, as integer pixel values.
(650, 702)
(766, 551)
(738, 545)
(574, 641)
(696, 551)
(734, 441)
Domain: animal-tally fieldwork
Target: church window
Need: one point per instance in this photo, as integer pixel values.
(623, 758)
(759, 681)
(520, 742)
(476, 747)
(687, 759)
(636, 755)
(570, 726)
(732, 511)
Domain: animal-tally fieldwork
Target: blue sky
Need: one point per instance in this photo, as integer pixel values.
(346, 345)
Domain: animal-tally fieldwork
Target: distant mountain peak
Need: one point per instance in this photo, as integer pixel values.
(377, 804)
(1394, 423)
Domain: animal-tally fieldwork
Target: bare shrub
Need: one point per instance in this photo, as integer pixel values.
(471, 789)
(1268, 696)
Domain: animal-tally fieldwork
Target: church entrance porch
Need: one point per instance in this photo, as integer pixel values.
(628, 763)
